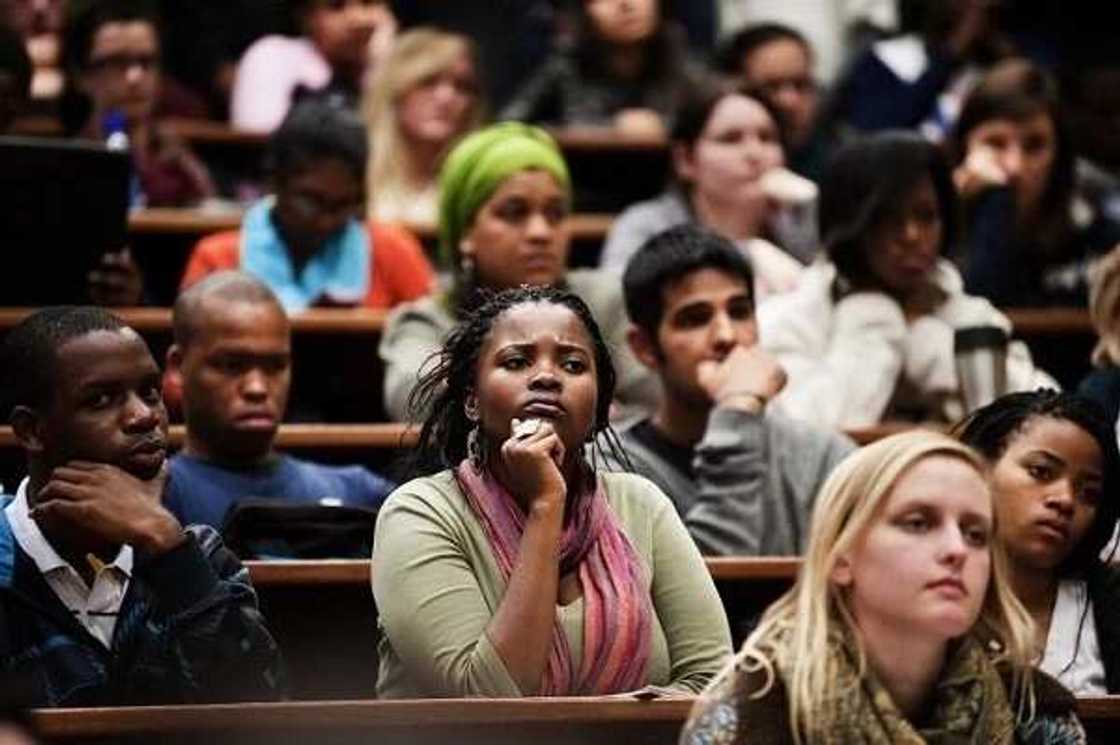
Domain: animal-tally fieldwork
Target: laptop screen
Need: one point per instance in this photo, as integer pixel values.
(62, 205)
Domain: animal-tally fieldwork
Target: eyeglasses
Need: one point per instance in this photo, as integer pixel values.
(122, 63)
(311, 206)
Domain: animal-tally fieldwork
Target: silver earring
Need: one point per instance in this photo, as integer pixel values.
(466, 265)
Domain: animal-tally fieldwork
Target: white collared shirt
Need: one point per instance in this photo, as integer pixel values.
(97, 608)
(1073, 651)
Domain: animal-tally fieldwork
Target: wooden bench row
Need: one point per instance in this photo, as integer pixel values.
(162, 240)
(1028, 322)
(323, 615)
(583, 721)
(196, 223)
(338, 373)
(390, 435)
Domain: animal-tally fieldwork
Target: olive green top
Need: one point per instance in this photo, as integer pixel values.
(437, 585)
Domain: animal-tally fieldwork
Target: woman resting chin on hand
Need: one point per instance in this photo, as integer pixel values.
(512, 567)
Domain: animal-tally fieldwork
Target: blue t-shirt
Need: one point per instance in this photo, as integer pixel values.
(202, 493)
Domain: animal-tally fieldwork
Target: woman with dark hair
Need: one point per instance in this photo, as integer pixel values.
(505, 199)
(727, 151)
(628, 70)
(1029, 237)
(1054, 479)
(869, 333)
(513, 567)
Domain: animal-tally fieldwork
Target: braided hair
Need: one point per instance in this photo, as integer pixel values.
(449, 377)
(991, 429)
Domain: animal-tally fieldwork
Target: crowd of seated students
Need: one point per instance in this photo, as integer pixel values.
(106, 598)
(532, 548)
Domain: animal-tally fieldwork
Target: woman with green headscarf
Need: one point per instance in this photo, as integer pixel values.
(505, 198)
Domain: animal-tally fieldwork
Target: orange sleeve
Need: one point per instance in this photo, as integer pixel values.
(212, 254)
(401, 271)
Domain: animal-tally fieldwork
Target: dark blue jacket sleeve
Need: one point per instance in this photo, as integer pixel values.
(203, 638)
(874, 98)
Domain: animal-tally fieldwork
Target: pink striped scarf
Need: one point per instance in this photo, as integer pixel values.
(617, 613)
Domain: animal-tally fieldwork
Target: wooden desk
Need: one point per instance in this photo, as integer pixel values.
(337, 373)
(1050, 321)
(162, 238)
(1061, 340)
(545, 721)
(317, 321)
(336, 662)
(197, 223)
(608, 171)
(570, 139)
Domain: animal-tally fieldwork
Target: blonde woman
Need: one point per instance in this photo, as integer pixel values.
(1103, 383)
(419, 102)
(901, 627)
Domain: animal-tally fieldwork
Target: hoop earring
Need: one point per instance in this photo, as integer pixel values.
(474, 447)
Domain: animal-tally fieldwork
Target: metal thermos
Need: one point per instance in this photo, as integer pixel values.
(981, 360)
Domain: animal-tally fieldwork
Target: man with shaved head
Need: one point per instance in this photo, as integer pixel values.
(232, 357)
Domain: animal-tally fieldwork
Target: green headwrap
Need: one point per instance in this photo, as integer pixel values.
(478, 165)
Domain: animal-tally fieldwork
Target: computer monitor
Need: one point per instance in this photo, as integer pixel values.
(62, 205)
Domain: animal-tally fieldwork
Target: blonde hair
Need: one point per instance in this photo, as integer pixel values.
(798, 626)
(1104, 308)
(416, 55)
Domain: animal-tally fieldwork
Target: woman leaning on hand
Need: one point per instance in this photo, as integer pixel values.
(512, 567)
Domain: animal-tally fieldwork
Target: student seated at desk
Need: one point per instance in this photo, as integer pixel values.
(113, 52)
(307, 242)
(513, 567)
(869, 334)
(504, 221)
(232, 360)
(627, 69)
(105, 598)
(340, 40)
(902, 627)
(1054, 469)
(742, 477)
